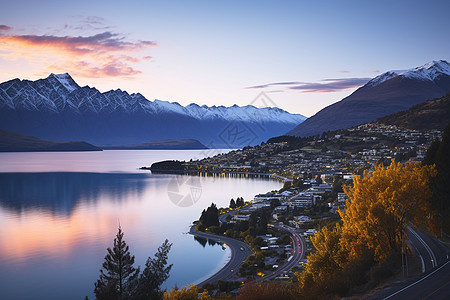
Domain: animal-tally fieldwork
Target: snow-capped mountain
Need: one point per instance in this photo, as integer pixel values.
(385, 94)
(428, 72)
(58, 108)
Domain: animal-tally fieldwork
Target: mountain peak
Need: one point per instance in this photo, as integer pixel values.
(427, 72)
(66, 80)
(385, 94)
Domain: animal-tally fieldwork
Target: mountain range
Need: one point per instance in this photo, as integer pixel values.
(165, 144)
(385, 94)
(58, 109)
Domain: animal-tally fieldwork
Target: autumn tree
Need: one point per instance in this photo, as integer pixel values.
(322, 273)
(265, 291)
(186, 293)
(381, 204)
(118, 278)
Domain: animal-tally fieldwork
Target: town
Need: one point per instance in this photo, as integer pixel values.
(314, 171)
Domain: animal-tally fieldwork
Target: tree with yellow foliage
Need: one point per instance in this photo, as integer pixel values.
(190, 293)
(381, 204)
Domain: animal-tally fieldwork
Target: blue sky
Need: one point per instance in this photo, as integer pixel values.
(212, 52)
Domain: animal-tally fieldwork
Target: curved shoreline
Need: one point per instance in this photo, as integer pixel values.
(239, 253)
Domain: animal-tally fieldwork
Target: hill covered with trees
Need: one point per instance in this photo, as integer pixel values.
(431, 114)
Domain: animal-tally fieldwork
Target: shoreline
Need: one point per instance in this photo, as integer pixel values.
(239, 250)
(190, 172)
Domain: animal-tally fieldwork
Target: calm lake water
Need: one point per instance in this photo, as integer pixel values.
(60, 211)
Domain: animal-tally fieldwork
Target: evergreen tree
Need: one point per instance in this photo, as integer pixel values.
(438, 154)
(156, 271)
(210, 217)
(240, 202)
(118, 278)
(232, 203)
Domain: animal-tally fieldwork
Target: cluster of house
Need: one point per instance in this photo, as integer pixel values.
(312, 160)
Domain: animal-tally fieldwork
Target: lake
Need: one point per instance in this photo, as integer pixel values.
(60, 211)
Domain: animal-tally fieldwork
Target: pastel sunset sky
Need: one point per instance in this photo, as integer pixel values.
(304, 54)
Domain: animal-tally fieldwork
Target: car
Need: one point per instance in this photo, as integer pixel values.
(242, 248)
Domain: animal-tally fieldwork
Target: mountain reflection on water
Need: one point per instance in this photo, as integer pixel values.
(60, 192)
(55, 227)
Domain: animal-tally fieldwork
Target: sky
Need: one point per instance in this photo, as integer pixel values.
(304, 55)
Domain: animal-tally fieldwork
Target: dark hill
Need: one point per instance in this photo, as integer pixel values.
(164, 144)
(16, 142)
(432, 114)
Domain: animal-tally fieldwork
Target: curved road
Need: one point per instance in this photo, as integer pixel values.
(298, 244)
(239, 253)
(434, 282)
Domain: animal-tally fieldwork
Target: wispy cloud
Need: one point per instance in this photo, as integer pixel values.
(102, 54)
(5, 28)
(263, 86)
(323, 86)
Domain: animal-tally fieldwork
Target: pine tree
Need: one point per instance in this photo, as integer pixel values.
(232, 203)
(240, 202)
(156, 271)
(118, 278)
(438, 154)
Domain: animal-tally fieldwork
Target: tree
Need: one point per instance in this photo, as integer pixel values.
(190, 293)
(438, 155)
(265, 291)
(239, 202)
(381, 203)
(209, 217)
(232, 203)
(118, 278)
(156, 271)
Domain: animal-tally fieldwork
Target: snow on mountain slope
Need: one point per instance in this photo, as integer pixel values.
(386, 94)
(427, 72)
(59, 92)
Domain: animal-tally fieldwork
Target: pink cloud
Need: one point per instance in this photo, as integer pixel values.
(5, 28)
(103, 54)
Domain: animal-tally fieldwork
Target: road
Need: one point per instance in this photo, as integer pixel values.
(434, 282)
(223, 217)
(239, 253)
(298, 253)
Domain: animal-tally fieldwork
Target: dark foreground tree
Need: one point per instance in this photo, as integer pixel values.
(118, 277)
(438, 154)
(232, 203)
(156, 271)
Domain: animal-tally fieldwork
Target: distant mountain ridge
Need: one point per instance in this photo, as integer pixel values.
(165, 144)
(57, 108)
(431, 114)
(387, 93)
(16, 142)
